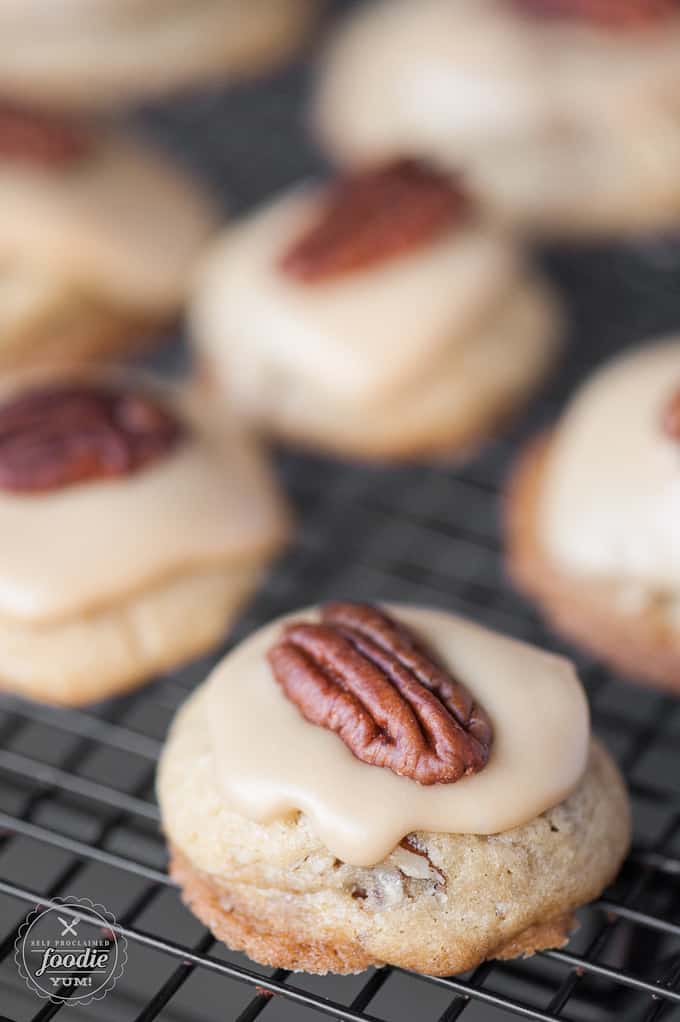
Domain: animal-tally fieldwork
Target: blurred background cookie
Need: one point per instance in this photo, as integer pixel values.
(564, 113)
(132, 528)
(594, 513)
(94, 53)
(378, 316)
(99, 235)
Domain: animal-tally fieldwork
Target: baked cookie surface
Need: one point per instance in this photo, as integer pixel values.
(86, 54)
(134, 528)
(376, 318)
(564, 117)
(437, 902)
(98, 240)
(592, 513)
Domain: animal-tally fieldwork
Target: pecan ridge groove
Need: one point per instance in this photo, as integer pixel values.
(366, 677)
(52, 437)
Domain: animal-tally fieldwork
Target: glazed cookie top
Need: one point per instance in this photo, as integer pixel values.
(610, 502)
(440, 79)
(353, 288)
(110, 484)
(376, 724)
(102, 213)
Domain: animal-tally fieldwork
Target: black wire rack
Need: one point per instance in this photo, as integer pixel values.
(77, 809)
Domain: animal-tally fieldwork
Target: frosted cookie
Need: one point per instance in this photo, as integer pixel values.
(353, 787)
(98, 239)
(377, 317)
(594, 515)
(95, 53)
(132, 527)
(564, 114)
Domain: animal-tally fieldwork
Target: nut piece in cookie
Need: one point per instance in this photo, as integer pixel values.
(375, 317)
(76, 54)
(593, 516)
(133, 525)
(355, 786)
(564, 115)
(98, 237)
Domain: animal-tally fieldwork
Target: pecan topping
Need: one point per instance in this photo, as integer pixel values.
(624, 14)
(38, 138)
(366, 677)
(671, 416)
(375, 215)
(55, 436)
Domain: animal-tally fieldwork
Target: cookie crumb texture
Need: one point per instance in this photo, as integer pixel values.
(439, 904)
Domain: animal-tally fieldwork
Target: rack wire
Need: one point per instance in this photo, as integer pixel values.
(77, 810)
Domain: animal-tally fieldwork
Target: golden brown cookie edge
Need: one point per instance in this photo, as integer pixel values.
(244, 931)
(641, 645)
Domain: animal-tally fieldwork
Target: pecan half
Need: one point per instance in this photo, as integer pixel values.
(375, 215)
(623, 14)
(670, 419)
(55, 436)
(35, 137)
(366, 677)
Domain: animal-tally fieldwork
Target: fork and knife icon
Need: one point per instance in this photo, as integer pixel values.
(69, 926)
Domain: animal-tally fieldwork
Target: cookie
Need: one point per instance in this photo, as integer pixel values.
(564, 116)
(98, 239)
(134, 526)
(591, 516)
(376, 317)
(91, 55)
(355, 786)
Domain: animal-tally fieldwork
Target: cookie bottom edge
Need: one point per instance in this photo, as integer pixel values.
(276, 948)
(114, 651)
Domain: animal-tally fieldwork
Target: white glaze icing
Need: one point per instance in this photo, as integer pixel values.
(210, 501)
(361, 337)
(120, 223)
(271, 762)
(510, 348)
(458, 80)
(610, 504)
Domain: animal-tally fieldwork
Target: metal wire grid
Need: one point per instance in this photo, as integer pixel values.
(424, 534)
(77, 813)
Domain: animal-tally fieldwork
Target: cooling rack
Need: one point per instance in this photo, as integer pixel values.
(77, 809)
